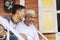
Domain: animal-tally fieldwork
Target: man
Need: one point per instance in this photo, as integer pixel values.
(27, 27)
(16, 17)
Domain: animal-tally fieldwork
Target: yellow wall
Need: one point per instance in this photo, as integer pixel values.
(47, 3)
(48, 20)
(48, 15)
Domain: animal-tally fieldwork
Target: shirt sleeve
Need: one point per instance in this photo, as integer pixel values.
(36, 37)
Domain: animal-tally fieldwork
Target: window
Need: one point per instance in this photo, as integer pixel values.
(58, 4)
(47, 16)
(58, 19)
(58, 13)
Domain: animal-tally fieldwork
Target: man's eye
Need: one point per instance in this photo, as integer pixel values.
(32, 17)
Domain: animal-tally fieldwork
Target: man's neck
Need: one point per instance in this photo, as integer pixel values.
(26, 22)
(15, 19)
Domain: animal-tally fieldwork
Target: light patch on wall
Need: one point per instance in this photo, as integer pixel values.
(22, 2)
(47, 3)
(48, 20)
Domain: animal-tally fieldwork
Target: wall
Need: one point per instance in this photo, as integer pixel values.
(2, 12)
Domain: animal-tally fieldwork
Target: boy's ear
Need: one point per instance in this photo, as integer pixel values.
(17, 11)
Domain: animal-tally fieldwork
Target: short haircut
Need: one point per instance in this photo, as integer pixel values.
(30, 12)
(17, 7)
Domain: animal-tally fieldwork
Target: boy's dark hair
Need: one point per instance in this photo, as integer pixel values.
(17, 7)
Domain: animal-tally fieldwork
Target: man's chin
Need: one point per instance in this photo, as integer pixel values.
(31, 22)
(17, 22)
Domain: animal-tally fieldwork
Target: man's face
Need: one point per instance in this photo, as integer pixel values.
(30, 18)
(21, 14)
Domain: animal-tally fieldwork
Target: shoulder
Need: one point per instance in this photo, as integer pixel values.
(34, 27)
(20, 24)
(8, 18)
(2, 20)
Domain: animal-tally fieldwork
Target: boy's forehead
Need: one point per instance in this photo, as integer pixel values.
(21, 9)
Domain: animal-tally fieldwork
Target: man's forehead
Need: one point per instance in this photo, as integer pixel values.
(31, 15)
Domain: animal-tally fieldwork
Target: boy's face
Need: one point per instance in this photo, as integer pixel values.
(21, 14)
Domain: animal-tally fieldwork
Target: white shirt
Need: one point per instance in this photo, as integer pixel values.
(30, 31)
(13, 25)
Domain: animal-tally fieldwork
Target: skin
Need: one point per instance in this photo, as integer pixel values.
(2, 33)
(31, 18)
(18, 16)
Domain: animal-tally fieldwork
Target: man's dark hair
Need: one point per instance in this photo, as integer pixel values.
(17, 7)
